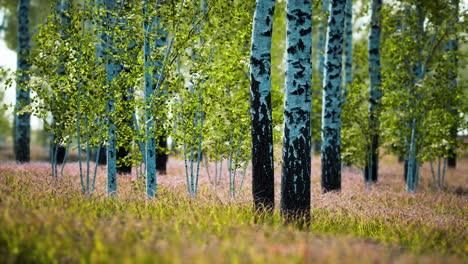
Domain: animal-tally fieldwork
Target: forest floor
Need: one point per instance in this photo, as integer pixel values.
(42, 221)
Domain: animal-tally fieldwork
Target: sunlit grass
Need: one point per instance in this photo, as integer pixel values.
(45, 222)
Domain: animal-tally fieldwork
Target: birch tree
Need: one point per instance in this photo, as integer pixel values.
(113, 69)
(371, 168)
(150, 148)
(127, 50)
(160, 41)
(296, 169)
(22, 119)
(348, 51)
(322, 35)
(318, 93)
(419, 126)
(57, 148)
(260, 100)
(331, 113)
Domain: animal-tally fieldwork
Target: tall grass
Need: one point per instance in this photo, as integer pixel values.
(44, 222)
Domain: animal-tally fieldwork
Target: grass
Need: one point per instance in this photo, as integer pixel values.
(46, 222)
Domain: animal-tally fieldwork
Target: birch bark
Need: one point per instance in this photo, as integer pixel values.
(295, 178)
(260, 101)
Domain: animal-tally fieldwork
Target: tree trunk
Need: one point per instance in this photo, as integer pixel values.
(371, 167)
(321, 41)
(58, 150)
(320, 63)
(412, 169)
(102, 159)
(295, 178)
(161, 152)
(22, 121)
(150, 91)
(348, 45)
(405, 170)
(113, 69)
(348, 54)
(260, 101)
(100, 58)
(161, 155)
(331, 113)
(418, 74)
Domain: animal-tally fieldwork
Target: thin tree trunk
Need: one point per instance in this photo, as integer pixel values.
(411, 175)
(123, 151)
(102, 157)
(405, 170)
(161, 155)
(348, 52)
(321, 41)
(375, 90)
(153, 79)
(22, 123)
(58, 150)
(149, 91)
(295, 178)
(331, 113)
(161, 152)
(321, 62)
(418, 73)
(260, 101)
(113, 69)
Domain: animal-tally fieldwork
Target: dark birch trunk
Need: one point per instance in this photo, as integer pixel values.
(22, 123)
(331, 113)
(57, 149)
(161, 155)
(322, 35)
(260, 101)
(348, 52)
(295, 178)
(371, 167)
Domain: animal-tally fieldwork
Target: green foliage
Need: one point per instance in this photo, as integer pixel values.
(278, 68)
(432, 99)
(5, 130)
(355, 134)
(201, 96)
(428, 95)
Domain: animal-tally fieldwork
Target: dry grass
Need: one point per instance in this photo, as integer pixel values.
(43, 221)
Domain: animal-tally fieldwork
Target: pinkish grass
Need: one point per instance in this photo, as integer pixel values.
(44, 221)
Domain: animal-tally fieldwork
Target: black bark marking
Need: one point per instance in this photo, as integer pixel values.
(266, 33)
(306, 31)
(260, 64)
(300, 45)
(292, 50)
(299, 91)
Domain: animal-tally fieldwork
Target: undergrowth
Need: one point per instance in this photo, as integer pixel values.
(45, 222)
